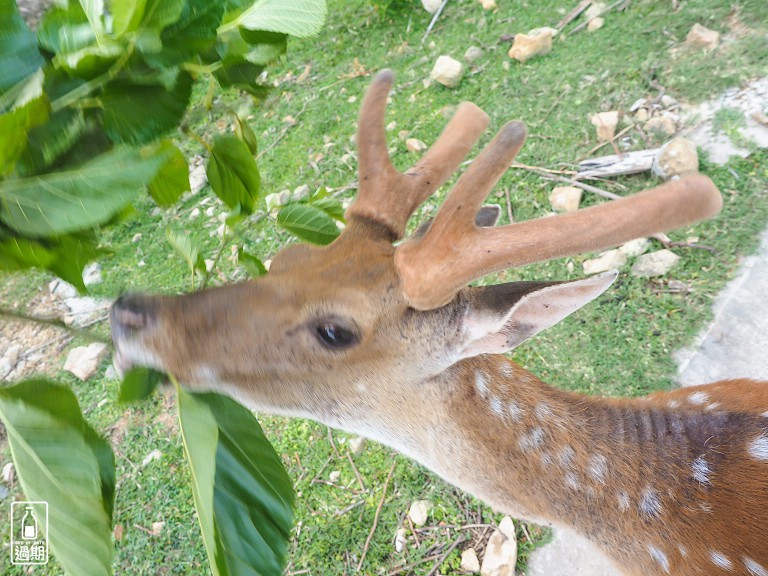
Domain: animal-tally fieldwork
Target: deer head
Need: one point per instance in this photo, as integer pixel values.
(347, 334)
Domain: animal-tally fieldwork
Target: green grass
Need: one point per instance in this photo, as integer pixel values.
(620, 345)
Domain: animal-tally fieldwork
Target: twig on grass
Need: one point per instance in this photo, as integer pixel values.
(611, 7)
(357, 473)
(434, 20)
(376, 517)
(445, 555)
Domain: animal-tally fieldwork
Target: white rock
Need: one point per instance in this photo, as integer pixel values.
(642, 115)
(668, 101)
(702, 37)
(5, 368)
(661, 125)
(8, 474)
(415, 145)
(594, 10)
(84, 361)
(419, 512)
(606, 123)
(334, 476)
(152, 456)
(400, 540)
(447, 71)
(595, 24)
(12, 354)
(357, 444)
(80, 311)
(194, 214)
(431, 6)
(676, 158)
(655, 264)
(488, 4)
(605, 261)
(635, 247)
(136, 237)
(536, 43)
(300, 193)
(565, 198)
(473, 54)
(639, 103)
(92, 274)
(501, 553)
(469, 561)
(197, 177)
(62, 289)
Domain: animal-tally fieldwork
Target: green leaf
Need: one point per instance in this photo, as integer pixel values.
(193, 35)
(172, 180)
(139, 384)
(138, 114)
(249, 514)
(246, 134)
(14, 128)
(201, 436)
(330, 206)
(253, 266)
(48, 142)
(186, 248)
(19, 56)
(91, 60)
(77, 199)
(94, 10)
(65, 256)
(308, 223)
(300, 18)
(126, 15)
(64, 30)
(232, 173)
(61, 460)
(244, 76)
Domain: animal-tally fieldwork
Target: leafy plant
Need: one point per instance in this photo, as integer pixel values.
(85, 105)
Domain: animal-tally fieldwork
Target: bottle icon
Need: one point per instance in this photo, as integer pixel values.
(29, 524)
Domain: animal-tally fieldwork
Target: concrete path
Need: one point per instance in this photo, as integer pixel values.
(734, 345)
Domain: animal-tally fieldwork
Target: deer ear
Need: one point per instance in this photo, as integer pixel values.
(500, 318)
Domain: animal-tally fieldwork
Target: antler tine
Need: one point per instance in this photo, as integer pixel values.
(386, 195)
(433, 268)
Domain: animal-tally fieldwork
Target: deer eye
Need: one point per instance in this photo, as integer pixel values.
(335, 336)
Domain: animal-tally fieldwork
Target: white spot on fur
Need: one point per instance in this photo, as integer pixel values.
(514, 410)
(713, 406)
(765, 414)
(497, 406)
(683, 550)
(706, 507)
(674, 404)
(754, 568)
(481, 384)
(701, 470)
(758, 448)
(650, 504)
(598, 468)
(532, 439)
(698, 398)
(506, 370)
(566, 457)
(623, 500)
(720, 560)
(571, 481)
(659, 556)
(546, 459)
(543, 411)
(361, 388)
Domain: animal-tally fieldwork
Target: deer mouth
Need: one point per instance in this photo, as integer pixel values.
(128, 321)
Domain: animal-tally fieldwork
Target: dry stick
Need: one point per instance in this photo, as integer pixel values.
(573, 14)
(348, 508)
(55, 322)
(611, 141)
(285, 130)
(444, 556)
(413, 531)
(611, 7)
(409, 567)
(378, 511)
(333, 444)
(355, 470)
(554, 105)
(434, 20)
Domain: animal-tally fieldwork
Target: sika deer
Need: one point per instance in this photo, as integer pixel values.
(388, 342)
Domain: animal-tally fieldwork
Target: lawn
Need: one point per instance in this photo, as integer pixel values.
(620, 345)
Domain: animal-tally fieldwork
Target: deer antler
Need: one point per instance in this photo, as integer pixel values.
(454, 251)
(388, 196)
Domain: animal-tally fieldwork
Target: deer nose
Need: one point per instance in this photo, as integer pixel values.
(129, 315)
